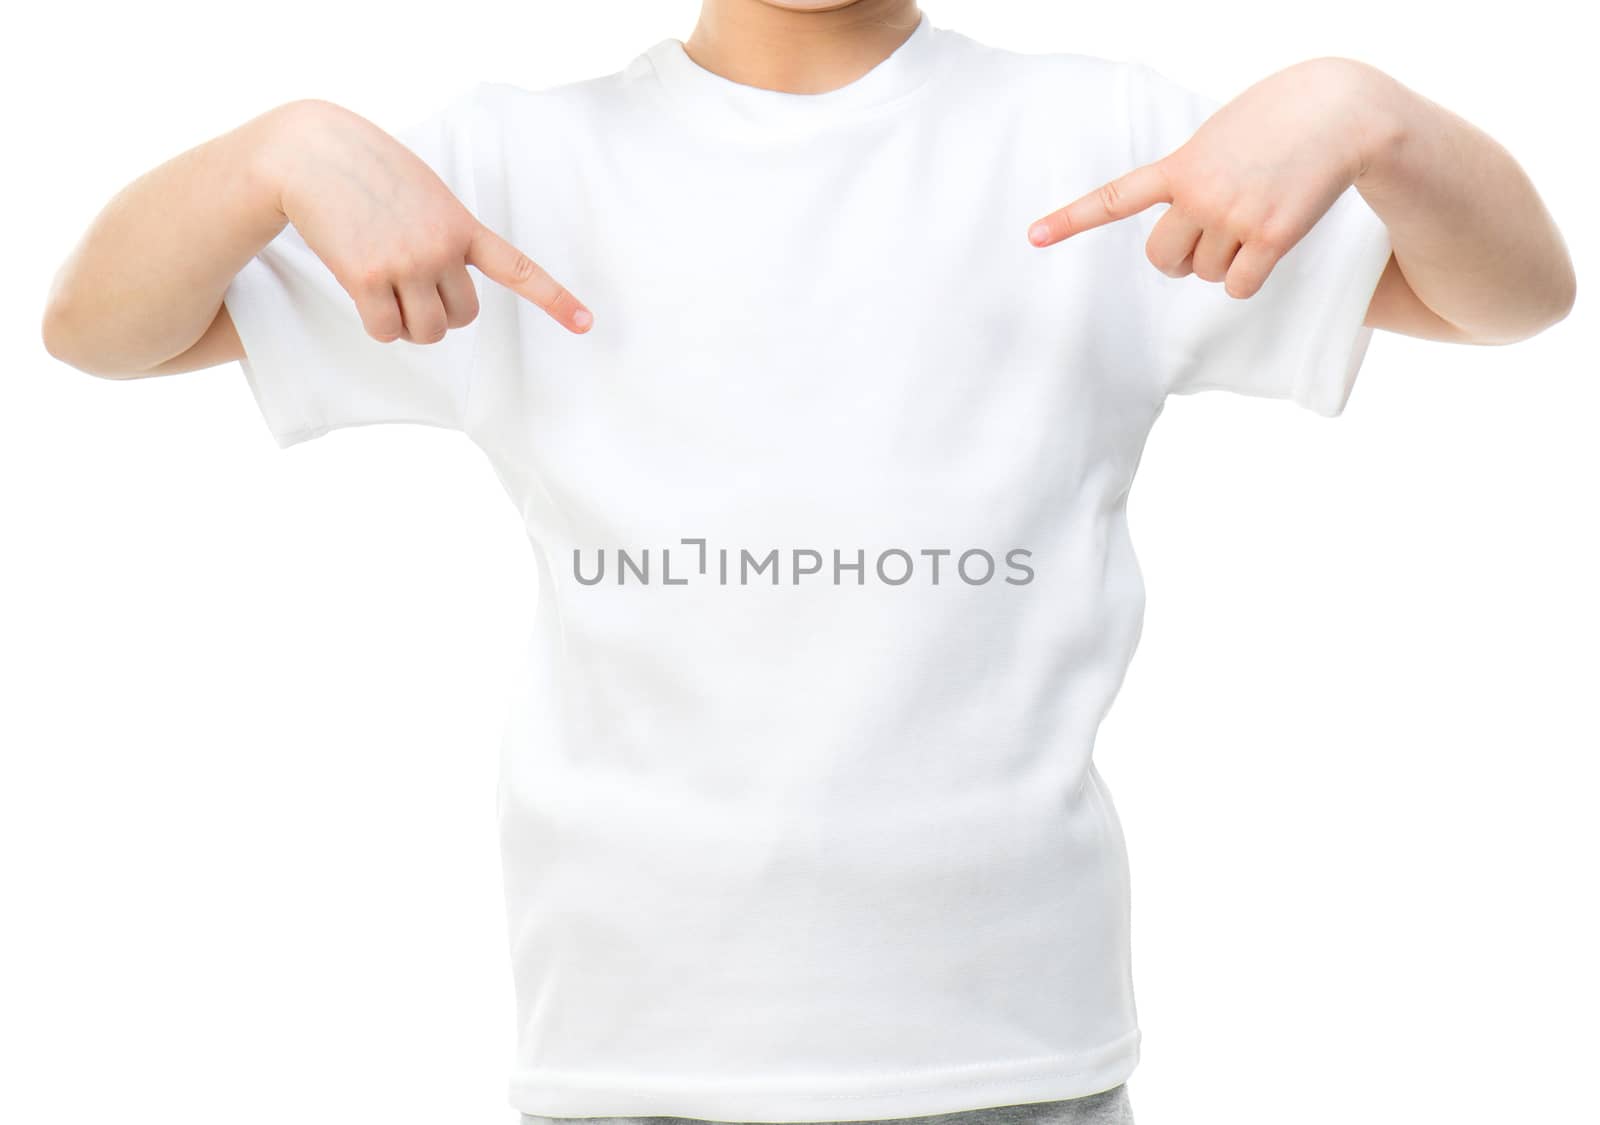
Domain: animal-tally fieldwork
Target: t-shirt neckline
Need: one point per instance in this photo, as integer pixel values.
(724, 104)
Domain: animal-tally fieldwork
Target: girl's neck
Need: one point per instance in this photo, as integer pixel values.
(798, 52)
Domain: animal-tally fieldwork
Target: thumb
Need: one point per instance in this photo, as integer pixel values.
(504, 264)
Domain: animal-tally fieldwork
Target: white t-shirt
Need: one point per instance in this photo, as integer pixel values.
(834, 578)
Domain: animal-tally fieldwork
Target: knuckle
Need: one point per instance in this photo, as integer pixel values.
(427, 327)
(430, 262)
(1212, 201)
(1273, 235)
(1162, 260)
(372, 277)
(1111, 197)
(1242, 283)
(1209, 209)
(398, 265)
(1261, 275)
(522, 268)
(1168, 261)
(1244, 218)
(381, 322)
(439, 251)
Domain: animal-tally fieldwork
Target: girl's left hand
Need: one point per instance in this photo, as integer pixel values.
(1251, 182)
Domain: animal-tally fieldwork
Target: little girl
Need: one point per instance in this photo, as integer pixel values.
(867, 326)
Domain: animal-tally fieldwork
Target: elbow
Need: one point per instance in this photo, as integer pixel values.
(63, 338)
(1566, 295)
(55, 331)
(1555, 307)
(1561, 294)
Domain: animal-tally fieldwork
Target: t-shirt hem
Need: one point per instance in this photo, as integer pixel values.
(262, 317)
(1328, 375)
(913, 1094)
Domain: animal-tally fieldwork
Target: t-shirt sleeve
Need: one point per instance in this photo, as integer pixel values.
(1301, 337)
(309, 363)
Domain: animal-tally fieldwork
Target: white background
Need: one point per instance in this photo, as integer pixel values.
(251, 697)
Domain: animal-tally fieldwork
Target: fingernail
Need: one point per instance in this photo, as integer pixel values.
(582, 319)
(1039, 233)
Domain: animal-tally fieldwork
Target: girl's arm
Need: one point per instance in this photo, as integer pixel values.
(142, 293)
(145, 282)
(1477, 258)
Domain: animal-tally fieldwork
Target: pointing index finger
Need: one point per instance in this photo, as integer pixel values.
(1121, 198)
(504, 264)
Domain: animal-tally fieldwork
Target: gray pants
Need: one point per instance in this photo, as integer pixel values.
(1110, 1107)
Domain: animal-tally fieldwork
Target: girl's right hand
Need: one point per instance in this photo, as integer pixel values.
(392, 233)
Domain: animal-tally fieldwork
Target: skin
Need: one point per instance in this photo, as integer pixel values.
(1477, 258)
(796, 47)
(141, 294)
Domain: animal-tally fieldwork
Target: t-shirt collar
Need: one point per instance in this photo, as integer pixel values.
(728, 105)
